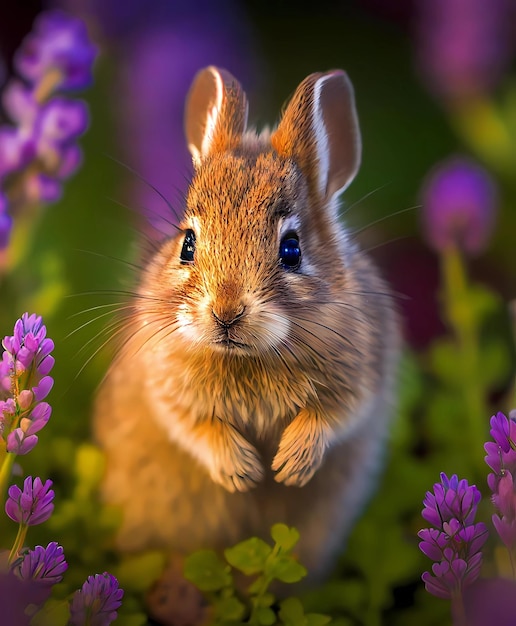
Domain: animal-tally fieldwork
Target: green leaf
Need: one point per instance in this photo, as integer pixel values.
(265, 616)
(230, 609)
(53, 613)
(249, 556)
(206, 570)
(137, 573)
(284, 536)
(445, 361)
(482, 300)
(89, 468)
(317, 619)
(292, 613)
(286, 569)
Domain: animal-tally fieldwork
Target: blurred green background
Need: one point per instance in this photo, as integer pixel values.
(84, 252)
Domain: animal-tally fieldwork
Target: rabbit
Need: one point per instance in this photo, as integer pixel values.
(257, 377)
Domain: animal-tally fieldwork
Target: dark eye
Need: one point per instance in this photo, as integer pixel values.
(290, 251)
(188, 249)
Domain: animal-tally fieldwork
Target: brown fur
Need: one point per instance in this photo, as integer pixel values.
(208, 444)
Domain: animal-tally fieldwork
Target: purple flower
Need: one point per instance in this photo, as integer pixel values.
(41, 148)
(24, 379)
(464, 45)
(18, 442)
(501, 458)
(46, 565)
(500, 431)
(455, 542)
(451, 499)
(459, 206)
(57, 42)
(33, 505)
(28, 346)
(97, 602)
(46, 133)
(16, 152)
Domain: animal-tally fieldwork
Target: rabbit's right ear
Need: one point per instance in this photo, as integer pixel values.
(215, 113)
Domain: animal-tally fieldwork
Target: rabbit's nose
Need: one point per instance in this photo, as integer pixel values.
(227, 305)
(228, 315)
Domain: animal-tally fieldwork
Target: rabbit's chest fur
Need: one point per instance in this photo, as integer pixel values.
(252, 396)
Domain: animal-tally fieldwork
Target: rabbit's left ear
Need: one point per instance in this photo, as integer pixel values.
(319, 130)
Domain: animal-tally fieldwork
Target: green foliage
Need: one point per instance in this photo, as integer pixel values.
(254, 603)
(54, 613)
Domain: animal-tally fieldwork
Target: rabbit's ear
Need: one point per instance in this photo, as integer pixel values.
(319, 130)
(215, 113)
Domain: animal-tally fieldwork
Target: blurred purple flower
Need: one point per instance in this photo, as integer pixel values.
(490, 601)
(464, 46)
(41, 146)
(97, 602)
(32, 506)
(57, 42)
(46, 565)
(158, 54)
(6, 221)
(459, 206)
(24, 383)
(16, 595)
(501, 458)
(455, 542)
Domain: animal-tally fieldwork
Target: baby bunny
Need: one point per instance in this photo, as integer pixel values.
(256, 379)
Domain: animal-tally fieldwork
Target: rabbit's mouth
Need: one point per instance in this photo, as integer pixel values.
(226, 343)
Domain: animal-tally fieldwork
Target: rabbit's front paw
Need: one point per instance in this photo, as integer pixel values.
(235, 463)
(301, 450)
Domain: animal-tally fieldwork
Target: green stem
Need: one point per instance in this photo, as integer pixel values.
(18, 542)
(463, 321)
(255, 601)
(47, 85)
(483, 127)
(265, 581)
(5, 473)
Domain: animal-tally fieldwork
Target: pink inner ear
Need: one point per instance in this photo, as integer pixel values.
(204, 95)
(336, 107)
(319, 130)
(215, 114)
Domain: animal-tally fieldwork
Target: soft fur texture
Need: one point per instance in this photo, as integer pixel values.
(247, 393)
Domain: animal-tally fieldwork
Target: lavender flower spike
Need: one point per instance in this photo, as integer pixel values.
(33, 505)
(97, 602)
(24, 383)
(501, 458)
(455, 542)
(39, 150)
